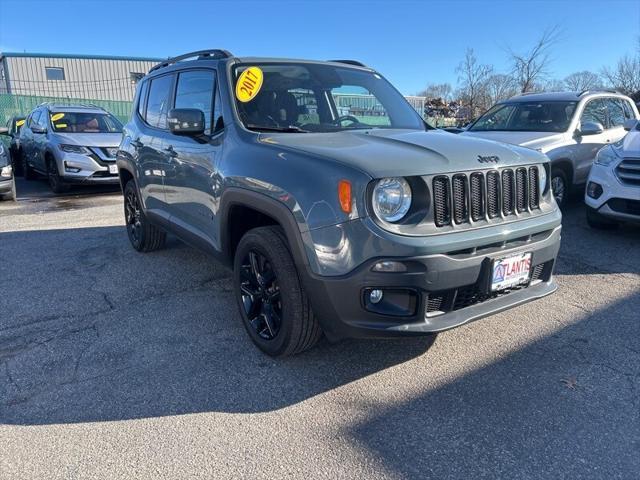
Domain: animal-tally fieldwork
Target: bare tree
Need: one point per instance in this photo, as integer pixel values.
(500, 87)
(531, 67)
(437, 90)
(581, 81)
(552, 85)
(625, 77)
(472, 77)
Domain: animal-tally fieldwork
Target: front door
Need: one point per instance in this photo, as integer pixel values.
(192, 189)
(588, 145)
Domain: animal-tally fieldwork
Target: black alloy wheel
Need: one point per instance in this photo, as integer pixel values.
(261, 295)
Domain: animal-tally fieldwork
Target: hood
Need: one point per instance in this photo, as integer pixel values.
(629, 146)
(90, 139)
(390, 153)
(534, 140)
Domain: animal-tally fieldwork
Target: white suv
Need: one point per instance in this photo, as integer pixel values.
(613, 188)
(568, 127)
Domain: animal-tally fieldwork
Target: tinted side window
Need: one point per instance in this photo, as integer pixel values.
(35, 118)
(218, 121)
(195, 90)
(595, 111)
(616, 112)
(159, 101)
(142, 100)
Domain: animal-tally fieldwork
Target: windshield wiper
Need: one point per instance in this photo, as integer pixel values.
(265, 128)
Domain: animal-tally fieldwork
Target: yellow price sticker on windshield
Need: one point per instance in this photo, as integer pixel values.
(19, 123)
(249, 84)
(61, 125)
(57, 116)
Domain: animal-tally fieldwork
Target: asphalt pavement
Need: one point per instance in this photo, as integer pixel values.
(116, 364)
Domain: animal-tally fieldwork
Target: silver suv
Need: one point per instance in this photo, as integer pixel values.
(70, 145)
(568, 127)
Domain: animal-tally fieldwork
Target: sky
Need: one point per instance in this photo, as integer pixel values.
(411, 43)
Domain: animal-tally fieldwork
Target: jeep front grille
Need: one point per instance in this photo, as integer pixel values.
(628, 171)
(464, 198)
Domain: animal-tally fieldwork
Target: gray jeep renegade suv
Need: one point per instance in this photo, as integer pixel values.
(338, 208)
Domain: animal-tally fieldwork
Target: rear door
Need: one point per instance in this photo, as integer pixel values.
(149, 145)
(193, 191)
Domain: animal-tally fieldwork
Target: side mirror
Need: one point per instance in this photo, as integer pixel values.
(590, 128)
(628, 124)
(38, 129)
(186, 121)
(4, 131)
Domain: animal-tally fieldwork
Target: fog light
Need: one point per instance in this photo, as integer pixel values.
(389, 266)
(69, 168)
(375, 296)
(594, 190)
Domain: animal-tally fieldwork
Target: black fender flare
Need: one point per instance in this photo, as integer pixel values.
(233, 196)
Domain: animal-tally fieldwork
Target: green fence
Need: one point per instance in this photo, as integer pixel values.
(21, 105)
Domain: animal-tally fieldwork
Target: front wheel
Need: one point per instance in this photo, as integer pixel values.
(274, 307)
(55, 181)
(144, 236)
(559, 186)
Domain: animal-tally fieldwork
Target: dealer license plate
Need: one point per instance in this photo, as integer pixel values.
(510, 271)
(113, 169)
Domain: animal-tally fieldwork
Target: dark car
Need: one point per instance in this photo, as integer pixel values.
(7, 180)
(14, 124)
(338, 209)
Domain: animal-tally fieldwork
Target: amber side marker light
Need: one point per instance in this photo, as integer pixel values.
(344, 195)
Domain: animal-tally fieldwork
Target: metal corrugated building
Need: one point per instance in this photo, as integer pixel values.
(72, 76)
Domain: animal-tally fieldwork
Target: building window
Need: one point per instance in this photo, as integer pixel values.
(54, 73)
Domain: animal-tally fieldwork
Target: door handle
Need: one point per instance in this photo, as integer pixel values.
(169, 151)
(137, 143)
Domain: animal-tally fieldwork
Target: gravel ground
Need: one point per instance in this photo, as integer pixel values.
(115, 364)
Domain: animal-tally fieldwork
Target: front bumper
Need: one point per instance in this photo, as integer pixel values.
(617, 200)
(80, 169)
(444, 290)
(6, 185)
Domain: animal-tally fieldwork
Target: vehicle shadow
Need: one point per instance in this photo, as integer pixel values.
(117, 335)
(565, 406)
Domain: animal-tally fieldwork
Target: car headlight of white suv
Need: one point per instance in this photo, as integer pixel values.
(606, 156)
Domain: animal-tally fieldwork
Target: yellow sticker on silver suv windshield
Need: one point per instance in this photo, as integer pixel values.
(249, 84)
(57, 116)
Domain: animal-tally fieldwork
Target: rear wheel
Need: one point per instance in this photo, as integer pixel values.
(598, 221)
(55, 181)
(144, 236)
(274, 307)
(559, 186)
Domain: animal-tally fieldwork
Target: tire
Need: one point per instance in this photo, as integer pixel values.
(27, 171)
(600, 222)
(53, 176)
(275, 310)
(144, 236)
(560, 186)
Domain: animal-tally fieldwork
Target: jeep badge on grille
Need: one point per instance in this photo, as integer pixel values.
(488, 159)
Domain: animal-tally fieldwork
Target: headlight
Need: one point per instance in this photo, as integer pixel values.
(542, 178)
(606, 156)
(391, 199)
(6, 171)
(74, 149)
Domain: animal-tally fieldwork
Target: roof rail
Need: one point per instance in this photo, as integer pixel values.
(69, 103)
(200, 54)
(350, 62)
(598, 90)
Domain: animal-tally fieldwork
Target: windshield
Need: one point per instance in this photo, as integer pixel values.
(318, 98)
(85, 122)
(527, 117)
